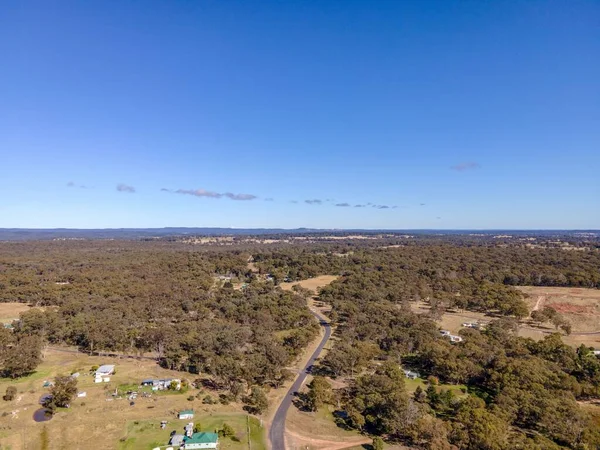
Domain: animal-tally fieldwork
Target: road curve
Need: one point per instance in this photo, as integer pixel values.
(277, 431)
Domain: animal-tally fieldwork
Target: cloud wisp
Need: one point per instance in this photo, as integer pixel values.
(122, 187)
(314, 201)
(211, 194)
(463, 167)
(71, 184)
(342, 205)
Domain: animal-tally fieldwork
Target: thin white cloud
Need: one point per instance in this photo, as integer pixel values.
(122, 187)
(211, 194)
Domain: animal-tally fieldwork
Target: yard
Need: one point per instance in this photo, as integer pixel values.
(147, 434)
(99, 417)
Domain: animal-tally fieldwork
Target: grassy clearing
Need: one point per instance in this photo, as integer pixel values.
(11, 311)
(100, 418)
(147, 434)
(312, 284)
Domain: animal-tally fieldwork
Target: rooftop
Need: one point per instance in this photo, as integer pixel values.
(202, 438)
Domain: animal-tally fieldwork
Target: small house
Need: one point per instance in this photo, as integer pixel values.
(105, 370)
(411, 375)
(201, 440)
(186, 414)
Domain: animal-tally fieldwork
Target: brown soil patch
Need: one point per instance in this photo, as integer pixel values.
(575, 309)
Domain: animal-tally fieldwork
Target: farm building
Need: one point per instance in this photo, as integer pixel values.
(201, 440)
(186, 414)
(177, 440)
(105, 370)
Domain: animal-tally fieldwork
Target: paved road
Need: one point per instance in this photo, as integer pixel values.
(277, 431)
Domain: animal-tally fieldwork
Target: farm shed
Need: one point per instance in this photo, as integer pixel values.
(177, 440)
(186, 414)
(106, 369)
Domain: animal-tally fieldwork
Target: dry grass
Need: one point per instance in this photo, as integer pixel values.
(317, 430)
(11, 311)
(93, 419)
(312, 284)
(580, 306)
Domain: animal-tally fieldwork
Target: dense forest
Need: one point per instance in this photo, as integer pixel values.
(219, 312)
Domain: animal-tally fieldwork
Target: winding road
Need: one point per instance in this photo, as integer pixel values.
(277, 431)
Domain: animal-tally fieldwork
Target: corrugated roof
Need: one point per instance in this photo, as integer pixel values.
(202, 438)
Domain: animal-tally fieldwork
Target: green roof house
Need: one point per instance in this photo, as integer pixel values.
(201, 440)
(186, 414)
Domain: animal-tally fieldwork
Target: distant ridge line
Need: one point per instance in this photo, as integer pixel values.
(25, 234)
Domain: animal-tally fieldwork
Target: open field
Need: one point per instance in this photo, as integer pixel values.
(148, 434)
(11, 311)
(100, 418)
(312, 284)
(580, 306)
(318, 431)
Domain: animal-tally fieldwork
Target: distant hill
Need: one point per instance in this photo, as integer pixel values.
(26, 234)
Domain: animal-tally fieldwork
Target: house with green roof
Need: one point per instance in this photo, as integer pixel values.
(201, 440)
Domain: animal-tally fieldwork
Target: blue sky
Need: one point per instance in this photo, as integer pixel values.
(430, 114)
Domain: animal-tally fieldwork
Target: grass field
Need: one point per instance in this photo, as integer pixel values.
(312, 284)
(147, 434)
(318, 430)
(98, 418)
(11, 311)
